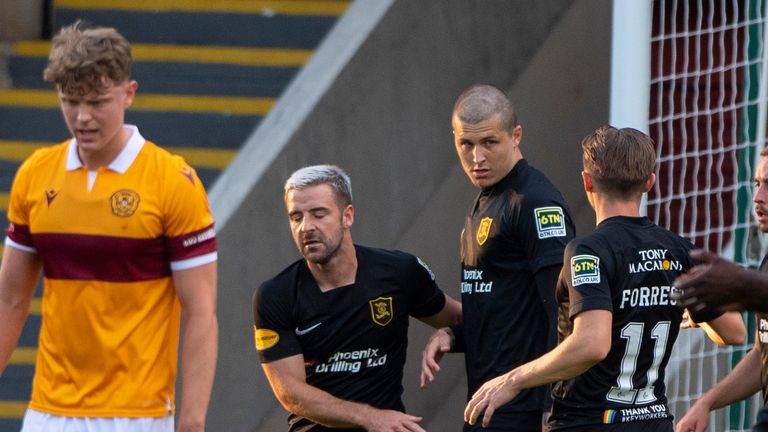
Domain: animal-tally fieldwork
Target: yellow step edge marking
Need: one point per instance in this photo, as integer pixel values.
(36, 306)
(231, 105)
(12, 410)
(292, 7)
(205, 158)
(192, 54)
(23, 356)
(210, 158)
(211, 104)
(17, 151)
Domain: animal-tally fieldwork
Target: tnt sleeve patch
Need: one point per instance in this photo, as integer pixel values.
(550, 222)
(585, 269)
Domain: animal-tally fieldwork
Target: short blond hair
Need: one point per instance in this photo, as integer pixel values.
(82, 59)
(483, 101)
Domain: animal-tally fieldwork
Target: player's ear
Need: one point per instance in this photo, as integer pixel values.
(586, 179)
(517, 134)
(130, 93)
(348, 216)
(649, 182)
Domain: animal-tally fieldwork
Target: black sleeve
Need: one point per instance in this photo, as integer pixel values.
(426, 298)
(273, 326)
(546, 284)
(585, 274)
(544, 227)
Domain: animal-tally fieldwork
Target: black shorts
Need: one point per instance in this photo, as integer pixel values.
(761, 425)
(521, 421)
(656, 425)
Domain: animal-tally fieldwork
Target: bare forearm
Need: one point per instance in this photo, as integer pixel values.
(588, 344)
(198, 365)
(13, 321)
(742, 382)
(18, 276)
(727, 329)
(323, 408)
(287, 378)
(566, 361)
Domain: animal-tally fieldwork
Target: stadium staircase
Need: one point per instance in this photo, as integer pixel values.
(208, 71)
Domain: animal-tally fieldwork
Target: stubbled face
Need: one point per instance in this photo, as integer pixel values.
(487, 151)
(96, 120)
(760, 198)
(318, 224)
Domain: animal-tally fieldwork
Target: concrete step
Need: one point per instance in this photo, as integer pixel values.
(181, 69)
(284, 24)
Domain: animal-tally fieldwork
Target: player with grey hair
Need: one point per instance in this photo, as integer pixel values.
(331, 329)
(313, 175)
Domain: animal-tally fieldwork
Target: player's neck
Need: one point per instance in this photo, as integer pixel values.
(97, 157)
(339, 271)
(608, 207)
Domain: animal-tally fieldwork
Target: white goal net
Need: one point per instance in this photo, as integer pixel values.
(707, 116)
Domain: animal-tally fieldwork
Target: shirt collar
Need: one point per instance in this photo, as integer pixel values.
(508, 180)
(123, 160)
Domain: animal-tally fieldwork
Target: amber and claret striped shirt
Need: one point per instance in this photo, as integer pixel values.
(109, 241)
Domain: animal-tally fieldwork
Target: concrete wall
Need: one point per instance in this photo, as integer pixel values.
(386, 120)
(20, 19)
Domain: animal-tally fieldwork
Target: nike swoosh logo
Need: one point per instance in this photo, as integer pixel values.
(306, 330)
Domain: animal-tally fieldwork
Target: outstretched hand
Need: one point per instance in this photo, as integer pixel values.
(711, 284)
(694, 420)
(488, 398)
(438, 344)
(394, 421)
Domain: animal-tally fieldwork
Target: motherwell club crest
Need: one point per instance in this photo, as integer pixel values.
(124, 202)
(483, 230)
(381, 310)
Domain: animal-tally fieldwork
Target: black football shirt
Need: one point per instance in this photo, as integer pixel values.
(625, 266)
(516, 228)
(762, 339)
(353, 338)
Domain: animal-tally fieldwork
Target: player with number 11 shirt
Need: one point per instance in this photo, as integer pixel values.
(626, 266)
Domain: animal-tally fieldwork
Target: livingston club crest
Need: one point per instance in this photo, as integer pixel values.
(483, 230)
(381, 310)
(124, 202)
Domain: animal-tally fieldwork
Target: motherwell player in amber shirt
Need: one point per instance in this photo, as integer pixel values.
(122, 232)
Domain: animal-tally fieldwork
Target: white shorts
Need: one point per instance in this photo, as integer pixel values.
(36, 421)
